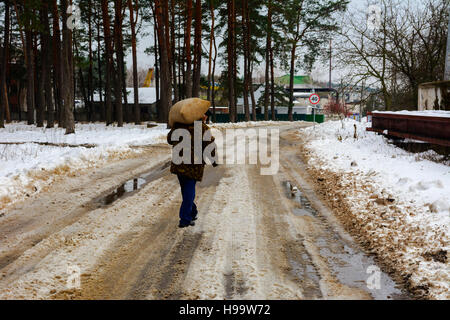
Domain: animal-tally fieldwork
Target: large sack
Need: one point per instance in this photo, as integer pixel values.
(188, 111)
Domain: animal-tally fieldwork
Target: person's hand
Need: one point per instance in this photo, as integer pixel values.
(205, 118)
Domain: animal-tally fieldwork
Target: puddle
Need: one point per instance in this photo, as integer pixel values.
(132, 186)
(305, 206)
(307, 274)
(349, 264)
(354, 268)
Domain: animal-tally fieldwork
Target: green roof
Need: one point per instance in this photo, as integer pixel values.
(285, 80)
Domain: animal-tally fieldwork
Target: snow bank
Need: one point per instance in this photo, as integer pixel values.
(27, 165)
(93, 134)
(419, 188)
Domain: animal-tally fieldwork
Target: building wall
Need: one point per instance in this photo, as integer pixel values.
(434, 96)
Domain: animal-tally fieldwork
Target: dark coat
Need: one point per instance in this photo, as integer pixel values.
(192, 171)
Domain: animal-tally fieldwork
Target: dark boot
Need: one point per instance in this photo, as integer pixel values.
(182, 225)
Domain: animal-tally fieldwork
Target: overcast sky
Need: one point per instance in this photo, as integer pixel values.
(320, 71)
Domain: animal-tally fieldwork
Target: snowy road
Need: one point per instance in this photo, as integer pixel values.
(118, 226)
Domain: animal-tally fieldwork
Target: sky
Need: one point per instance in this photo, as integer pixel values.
(320, 71)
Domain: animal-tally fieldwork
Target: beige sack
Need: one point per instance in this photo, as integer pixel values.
(188, 111)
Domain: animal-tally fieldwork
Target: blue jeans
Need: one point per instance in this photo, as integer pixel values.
(188, 210)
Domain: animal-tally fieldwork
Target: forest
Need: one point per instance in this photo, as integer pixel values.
(56, 51)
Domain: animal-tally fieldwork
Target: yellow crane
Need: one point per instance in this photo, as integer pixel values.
(148, 79)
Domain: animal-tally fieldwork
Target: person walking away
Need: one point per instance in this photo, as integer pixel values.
(189, 173)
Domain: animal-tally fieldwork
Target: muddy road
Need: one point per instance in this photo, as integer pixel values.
(111, 233)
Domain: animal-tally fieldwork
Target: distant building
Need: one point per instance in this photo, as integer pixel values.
(147, 103)
(147, 96)
(304, 87)
(240, 101)
(434, 96)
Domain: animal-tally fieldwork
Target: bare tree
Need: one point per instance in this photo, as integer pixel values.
(305, 26)
(406, 48)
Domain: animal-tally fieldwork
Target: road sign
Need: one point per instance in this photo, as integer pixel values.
(314, 99)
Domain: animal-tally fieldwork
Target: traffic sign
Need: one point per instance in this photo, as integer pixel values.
(314, 98)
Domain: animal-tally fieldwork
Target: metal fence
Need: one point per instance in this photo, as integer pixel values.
(320, 118)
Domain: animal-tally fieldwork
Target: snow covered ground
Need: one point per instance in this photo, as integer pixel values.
(31, 157)
(399, 199)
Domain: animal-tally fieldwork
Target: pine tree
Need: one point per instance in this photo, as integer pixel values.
(305, 23)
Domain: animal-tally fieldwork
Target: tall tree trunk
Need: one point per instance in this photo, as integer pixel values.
(128, 112)
(118, 39)
(213, 95)
(47, 59)
(272, 84)
(133, 20)
(252, 91)
(231, 59)
(162, 13)
(291, 83)
(57, 64)
(69, 100)
(234, 57)
(30, 73)
(268, 49)
(4, 63)
(109, 62)
(182, 71)
(250, 61)
(267, 87)
(99, 67)
(80, 75)
(187, 41)
(7, 39)
(197, 49)
(211, 41)
(90, 102)
(246, 58)
(157, 58)
(38, 82)
(180, 60)
(45, 70)
(173, 48)
(168, 49)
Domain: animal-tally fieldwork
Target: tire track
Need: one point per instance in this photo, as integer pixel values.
(149, 261)
(29, 223)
